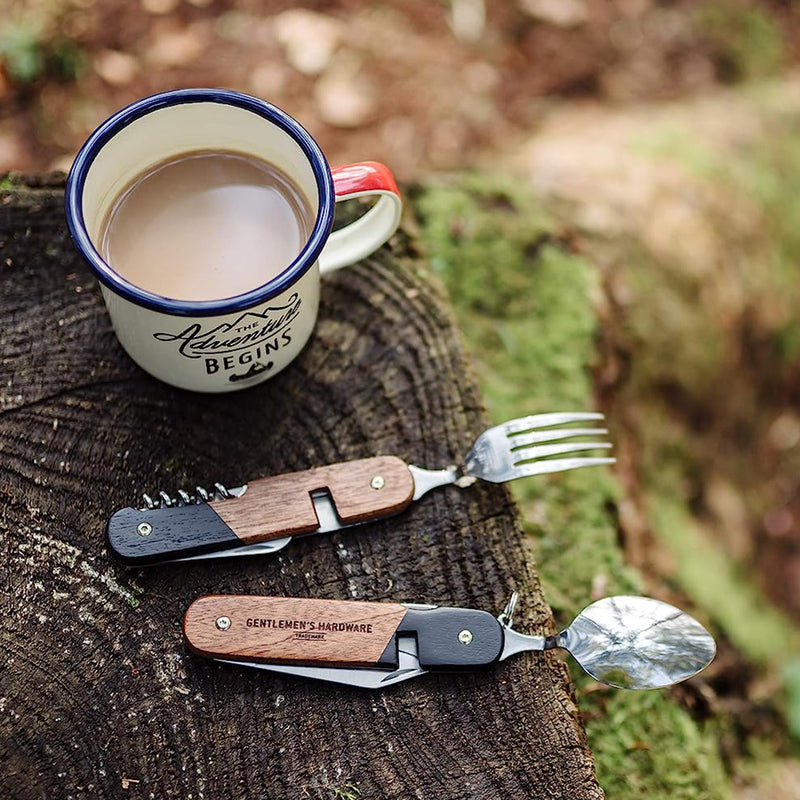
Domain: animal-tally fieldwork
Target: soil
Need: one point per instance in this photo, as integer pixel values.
(418, 84)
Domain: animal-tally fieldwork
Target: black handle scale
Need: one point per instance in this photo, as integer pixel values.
(146, 536)
(449, 638)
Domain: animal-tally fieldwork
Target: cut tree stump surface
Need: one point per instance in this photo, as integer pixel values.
(99, 697)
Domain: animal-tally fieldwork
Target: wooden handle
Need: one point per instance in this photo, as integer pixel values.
(286, 630)
(281, 505)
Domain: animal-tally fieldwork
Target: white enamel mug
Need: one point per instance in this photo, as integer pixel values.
(237, 342)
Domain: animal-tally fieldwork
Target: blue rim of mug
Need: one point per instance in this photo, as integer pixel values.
(114, 124)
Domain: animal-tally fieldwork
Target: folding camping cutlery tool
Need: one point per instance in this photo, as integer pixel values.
(264, 515)
(627, 642)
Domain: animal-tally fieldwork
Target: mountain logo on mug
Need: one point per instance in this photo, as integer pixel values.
(247, 340)
(250, 328)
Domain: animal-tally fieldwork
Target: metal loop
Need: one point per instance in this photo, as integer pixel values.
(506, 618)
(184, 496)
(148, 500)
(202, 494)
(166, 500)
(222, 491)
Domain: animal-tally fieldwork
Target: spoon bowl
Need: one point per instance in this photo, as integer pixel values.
(637, 643)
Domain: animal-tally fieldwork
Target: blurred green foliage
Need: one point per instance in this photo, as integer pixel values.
(792, 677)
(21, 50)
(718, 585)
(752, 349)
(30, 49)
(746, 40)
(524, 302)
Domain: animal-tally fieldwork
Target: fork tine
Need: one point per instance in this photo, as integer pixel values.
(558, 465)
(545, 420)
(542, 450)
(522, 439)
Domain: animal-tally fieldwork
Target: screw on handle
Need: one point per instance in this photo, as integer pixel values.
(453, 638)
(137, 537)
(291, 630)
(280, 505)
(271, 508)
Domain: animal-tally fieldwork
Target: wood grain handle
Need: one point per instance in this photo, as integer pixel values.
(281, 505)
(285, 630)
(271, 508)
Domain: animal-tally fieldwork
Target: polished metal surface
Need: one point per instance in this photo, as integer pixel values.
(427, 479)
(627, 642)
(365, 678)
(325, 510)
(519, 448)
(201, 495)
(637, 643)
(515, 642)
(259, 549)
(511, 450)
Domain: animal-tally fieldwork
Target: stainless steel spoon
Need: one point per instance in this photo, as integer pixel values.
(627, 642)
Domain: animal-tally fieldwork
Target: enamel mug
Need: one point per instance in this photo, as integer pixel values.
(237, 342)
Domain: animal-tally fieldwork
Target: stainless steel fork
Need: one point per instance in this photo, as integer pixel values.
(520, 448)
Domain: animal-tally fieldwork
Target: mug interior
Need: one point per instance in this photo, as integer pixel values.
(166, 126)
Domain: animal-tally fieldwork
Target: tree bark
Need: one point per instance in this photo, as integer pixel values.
(99, 697)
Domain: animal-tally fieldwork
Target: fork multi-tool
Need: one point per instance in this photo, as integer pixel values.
(627, 642)
(264, 515)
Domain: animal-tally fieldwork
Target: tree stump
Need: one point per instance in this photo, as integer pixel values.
(99, 697)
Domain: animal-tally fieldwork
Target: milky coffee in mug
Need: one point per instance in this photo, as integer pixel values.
(206, 225)
(207, 217)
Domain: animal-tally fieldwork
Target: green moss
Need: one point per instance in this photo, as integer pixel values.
(745, 40)
(7, 182)
(523, 300)
(646, 746)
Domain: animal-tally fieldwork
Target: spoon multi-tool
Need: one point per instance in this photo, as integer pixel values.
(627, 642)
(264, 515)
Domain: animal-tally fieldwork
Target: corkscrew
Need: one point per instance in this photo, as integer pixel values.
(183, 498)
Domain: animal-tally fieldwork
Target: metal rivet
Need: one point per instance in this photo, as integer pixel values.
(465, 637)
(377, 482)
(144, 529)
(223, 623)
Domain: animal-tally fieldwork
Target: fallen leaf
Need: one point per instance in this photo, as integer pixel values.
(344, 96)
(562, 13)
(176, 48)
(308, 38)
(115, 67)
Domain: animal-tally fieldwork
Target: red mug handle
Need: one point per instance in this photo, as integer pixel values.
(366, 234)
